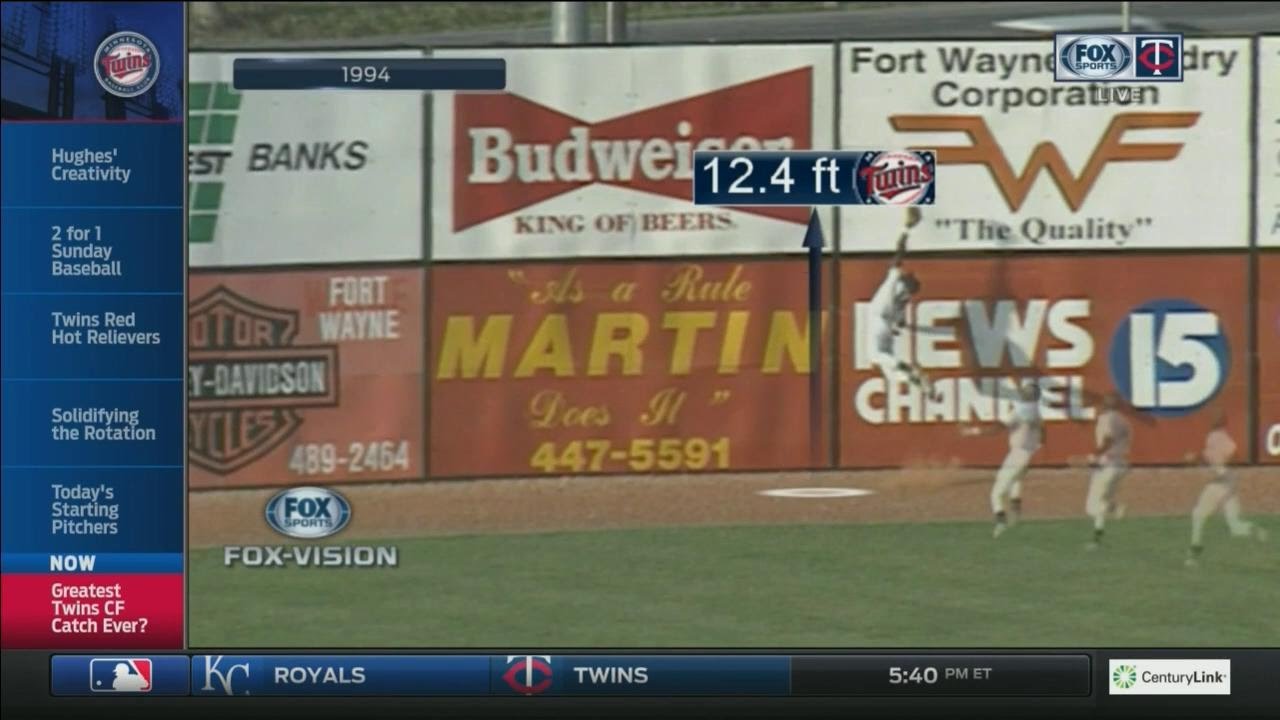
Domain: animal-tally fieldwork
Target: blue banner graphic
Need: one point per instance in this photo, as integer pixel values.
(809, 178)
(341, 675)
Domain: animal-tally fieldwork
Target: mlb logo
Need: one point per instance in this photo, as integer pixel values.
(120, 675)
(1157, 58)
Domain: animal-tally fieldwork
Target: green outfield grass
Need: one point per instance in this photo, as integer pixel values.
(942, 584)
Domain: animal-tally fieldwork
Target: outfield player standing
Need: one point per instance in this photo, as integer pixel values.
(886, 316)
(1113, 436)
(1220, 492)
(1026, 436)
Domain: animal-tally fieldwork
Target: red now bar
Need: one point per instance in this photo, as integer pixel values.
(98, 612)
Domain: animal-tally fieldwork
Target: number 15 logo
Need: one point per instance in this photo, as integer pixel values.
(1169, 357)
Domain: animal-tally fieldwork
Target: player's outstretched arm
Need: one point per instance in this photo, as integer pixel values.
(913, 219)
(900, 253)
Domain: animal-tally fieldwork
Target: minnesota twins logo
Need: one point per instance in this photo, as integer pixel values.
(528, 674)
(126, 64)
(901, 177)
(1159, 57)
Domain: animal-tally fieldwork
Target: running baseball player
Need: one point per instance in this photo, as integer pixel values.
(1113, 436)
(887, 316)
(1220, 492)
(1026, 436)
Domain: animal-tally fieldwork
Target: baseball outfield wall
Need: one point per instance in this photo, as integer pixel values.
(397, 286)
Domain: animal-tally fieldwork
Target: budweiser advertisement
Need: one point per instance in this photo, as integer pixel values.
(1173, 346)
(619, 367)
(1032, 164)
(590, 150)
(1269, 356)
(298, 378)
(294, 177)
(1268, 145)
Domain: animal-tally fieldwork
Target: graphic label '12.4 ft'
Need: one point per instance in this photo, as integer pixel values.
(872, 177)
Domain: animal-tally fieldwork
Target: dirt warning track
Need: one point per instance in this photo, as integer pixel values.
(595, 503)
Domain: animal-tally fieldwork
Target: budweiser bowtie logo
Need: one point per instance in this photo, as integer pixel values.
(512, 152)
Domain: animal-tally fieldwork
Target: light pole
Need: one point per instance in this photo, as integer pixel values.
(568, 23)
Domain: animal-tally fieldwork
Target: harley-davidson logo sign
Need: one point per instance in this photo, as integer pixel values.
(511, 152)
(246, 381)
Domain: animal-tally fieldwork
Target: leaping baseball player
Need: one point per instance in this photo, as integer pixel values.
(1113, 436)
(1220, 492)
(1026, 436)
(887, 316)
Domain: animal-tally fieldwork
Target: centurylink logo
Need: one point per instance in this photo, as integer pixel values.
(1170, 676)
(1124, 676)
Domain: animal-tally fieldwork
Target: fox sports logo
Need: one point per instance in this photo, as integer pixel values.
(1096, 57)
(308, 513)
(127, 64)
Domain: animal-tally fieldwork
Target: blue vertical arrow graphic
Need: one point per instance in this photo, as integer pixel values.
(814, 242)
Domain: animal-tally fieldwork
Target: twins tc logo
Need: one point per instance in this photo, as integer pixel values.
(528, 674)
(1159, 57)
(1169, 357)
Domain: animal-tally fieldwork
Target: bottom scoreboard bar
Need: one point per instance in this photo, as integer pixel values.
(865, 675)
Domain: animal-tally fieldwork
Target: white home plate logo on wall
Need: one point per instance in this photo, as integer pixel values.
(126, 64)
(816, 493)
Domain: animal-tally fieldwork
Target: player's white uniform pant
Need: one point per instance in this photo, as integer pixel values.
(882, 357)
(1102, 489)
(1009, 478)
(1219, 493)
(882, 351)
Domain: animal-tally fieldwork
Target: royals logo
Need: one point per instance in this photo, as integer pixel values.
(127, 64)
(247, 380)
(511, 152)
(903, 177)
